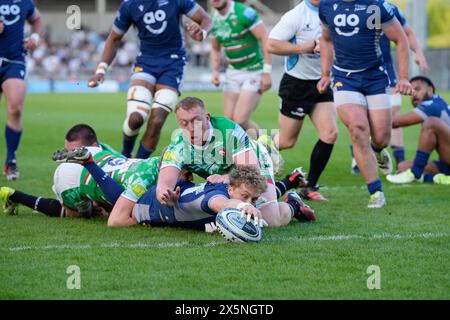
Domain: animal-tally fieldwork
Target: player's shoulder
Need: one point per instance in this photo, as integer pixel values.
(220, 123)
(245, 10)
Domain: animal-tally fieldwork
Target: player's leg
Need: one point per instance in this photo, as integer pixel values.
(139, 100)
(289, 130)
(435, 135)
(355, 118)
(276, 215)
(168, 87)
(245, 105)
(397, 143)
(231, 88)
(166, 98)
(14, 90)
(247, 102)
(323, 117)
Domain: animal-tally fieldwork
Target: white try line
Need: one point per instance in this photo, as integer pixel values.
(163, 245)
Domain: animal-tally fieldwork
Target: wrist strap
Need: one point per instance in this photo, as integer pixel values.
(267, 68)
(101, 68)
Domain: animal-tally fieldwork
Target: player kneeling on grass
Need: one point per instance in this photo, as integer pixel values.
(434, 114)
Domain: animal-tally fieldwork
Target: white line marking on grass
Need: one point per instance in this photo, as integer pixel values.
(163, 245)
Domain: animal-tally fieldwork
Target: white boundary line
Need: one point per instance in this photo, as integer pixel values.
(164, 245)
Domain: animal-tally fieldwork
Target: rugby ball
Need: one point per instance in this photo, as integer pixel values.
(235, 228)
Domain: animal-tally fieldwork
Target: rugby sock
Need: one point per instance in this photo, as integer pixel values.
(374, 186)
(12, 142)
(284, 185)
(295, 209)
(143, 152)
(376, 148)
(111, 188)
(50, 207)
(419, 163)
(399, 153)
(318, 161)
(128, 145)
(428, 177)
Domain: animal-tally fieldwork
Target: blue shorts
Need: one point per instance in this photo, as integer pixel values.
(369, 82)
(11, 70)
(163, 71)
(442, 166)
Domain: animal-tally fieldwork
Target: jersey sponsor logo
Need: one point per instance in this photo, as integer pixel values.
(170, 156)
(344, 20)
(138, 190)
(360, 7)
(155, 18)
(138, 69)
(339, 84)
(10, 10)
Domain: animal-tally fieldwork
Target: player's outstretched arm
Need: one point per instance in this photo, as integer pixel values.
(407, 119)
(417, 49)
(112, 43)
(121, 214)
(165, 189)
(394, 32)
(202, 26)
(326, 60)
(215, 61)
(219, 203)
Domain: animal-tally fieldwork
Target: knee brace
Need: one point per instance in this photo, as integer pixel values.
(139, 100)
(166, 99)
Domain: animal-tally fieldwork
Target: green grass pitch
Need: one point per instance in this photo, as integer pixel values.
(408, 240)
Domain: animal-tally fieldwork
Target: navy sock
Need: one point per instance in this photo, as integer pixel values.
(374, 186)
(128, 145)
(399, 153)
(318, 161)
(50, 207)
(143, 152)
(428, 177)
(419, 163)
(12, 142)
(111, 188)
(351, 151)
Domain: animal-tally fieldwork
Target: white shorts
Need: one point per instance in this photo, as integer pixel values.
(237, 80)
(373, 102)
(67, 176)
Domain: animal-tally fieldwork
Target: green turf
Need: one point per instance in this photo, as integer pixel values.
(408, 240)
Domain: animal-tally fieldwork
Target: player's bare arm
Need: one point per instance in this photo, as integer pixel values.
(201, 25)
(112, 43)
(121, 214)
(285, 48)
(167, 180)
(35, 22)
(215, 61)
(260, 33)
(407, 119)
(420, 59)
(219, 203)
(326, 60)
(394, 32)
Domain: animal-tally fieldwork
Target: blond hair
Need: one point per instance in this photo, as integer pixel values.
(249, 175)
(189, 103)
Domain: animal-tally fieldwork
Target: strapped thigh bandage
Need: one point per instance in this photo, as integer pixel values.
(166, 99)
(139, 100)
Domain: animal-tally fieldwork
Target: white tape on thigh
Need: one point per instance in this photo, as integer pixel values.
(349, 97)
(139, 100)
(396, 99)
(166, 99)
(378, 101)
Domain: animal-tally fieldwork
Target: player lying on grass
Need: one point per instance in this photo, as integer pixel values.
(194, 205)
(434, 114)
(211, 147)
(77, 192)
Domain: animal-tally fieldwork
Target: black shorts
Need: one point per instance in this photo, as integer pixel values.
(298, 97)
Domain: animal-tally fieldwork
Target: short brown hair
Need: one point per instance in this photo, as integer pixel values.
(249, 175)
(83, 133)
(190, 103)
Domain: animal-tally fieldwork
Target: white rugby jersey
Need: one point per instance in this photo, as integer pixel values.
(298, 26)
